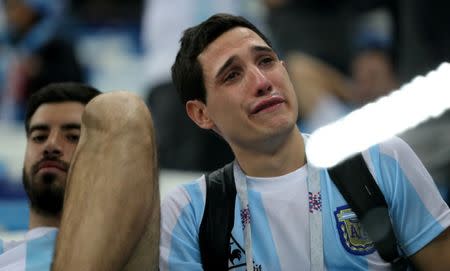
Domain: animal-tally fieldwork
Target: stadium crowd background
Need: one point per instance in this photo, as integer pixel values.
(341, 55)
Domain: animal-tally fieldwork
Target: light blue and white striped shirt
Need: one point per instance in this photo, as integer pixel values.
(280, 222)
(34, 253)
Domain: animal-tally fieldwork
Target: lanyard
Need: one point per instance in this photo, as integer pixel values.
(242, 191)
(315, 216)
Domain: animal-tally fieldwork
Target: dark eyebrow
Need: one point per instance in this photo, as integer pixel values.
(45, 127)
(38, 127)
(225, 66)
(229, 62)
(70, 126)
(259, 48)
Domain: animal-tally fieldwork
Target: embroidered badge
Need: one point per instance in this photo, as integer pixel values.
(351, 233)
(315, 202)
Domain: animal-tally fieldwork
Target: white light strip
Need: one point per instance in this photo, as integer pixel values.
(424, 97)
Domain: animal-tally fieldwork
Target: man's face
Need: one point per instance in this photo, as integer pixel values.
(249, 96)
(53, 136)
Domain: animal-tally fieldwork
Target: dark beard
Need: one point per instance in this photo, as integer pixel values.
(47, 198)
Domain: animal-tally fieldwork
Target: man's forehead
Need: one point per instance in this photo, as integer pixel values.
(226, 44)
(234, 38)
(58, 112)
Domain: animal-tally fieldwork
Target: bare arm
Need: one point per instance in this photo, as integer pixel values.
(436, 255)
(111, 208)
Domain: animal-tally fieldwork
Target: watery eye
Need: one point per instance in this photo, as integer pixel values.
(230, 76)
(266, 60)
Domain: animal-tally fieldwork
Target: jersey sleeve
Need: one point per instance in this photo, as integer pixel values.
(418, 212)
(181, 214)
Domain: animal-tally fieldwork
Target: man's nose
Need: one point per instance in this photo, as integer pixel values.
(262, 84)
(53, 146)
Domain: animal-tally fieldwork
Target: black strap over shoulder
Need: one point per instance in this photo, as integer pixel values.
(218, 219)
(358, 187)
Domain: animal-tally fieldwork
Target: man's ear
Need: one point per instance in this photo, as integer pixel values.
(198, 113)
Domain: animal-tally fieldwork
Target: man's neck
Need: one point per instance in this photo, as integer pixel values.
(39, 220)
(288, 156)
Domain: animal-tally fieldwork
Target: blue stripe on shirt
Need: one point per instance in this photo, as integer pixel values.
(425, 228)
(39, 252)
(186, 231)
(196, 195)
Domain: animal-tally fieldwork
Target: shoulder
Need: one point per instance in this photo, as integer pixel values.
(11, 253)
(34, 252)
(395, 147)
(184, 199)
(181, 214)
(185, 193)
(400, 174)
(8, 245)
(394, 153)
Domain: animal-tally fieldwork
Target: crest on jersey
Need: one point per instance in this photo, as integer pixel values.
(353, 236)
(237, 256)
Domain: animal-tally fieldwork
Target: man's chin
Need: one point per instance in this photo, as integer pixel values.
(45, 191)
(50, 177)
(48, 203)
(47, 194)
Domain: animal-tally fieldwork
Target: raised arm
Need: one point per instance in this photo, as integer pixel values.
(111, 210)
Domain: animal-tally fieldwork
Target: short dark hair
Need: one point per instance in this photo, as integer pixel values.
(58, 93)
(187, 74)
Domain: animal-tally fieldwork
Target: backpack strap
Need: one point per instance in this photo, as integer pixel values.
(358, 187)
(218, 219)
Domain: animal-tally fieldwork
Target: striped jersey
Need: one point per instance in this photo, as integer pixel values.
(33, 253)
(280, 206)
